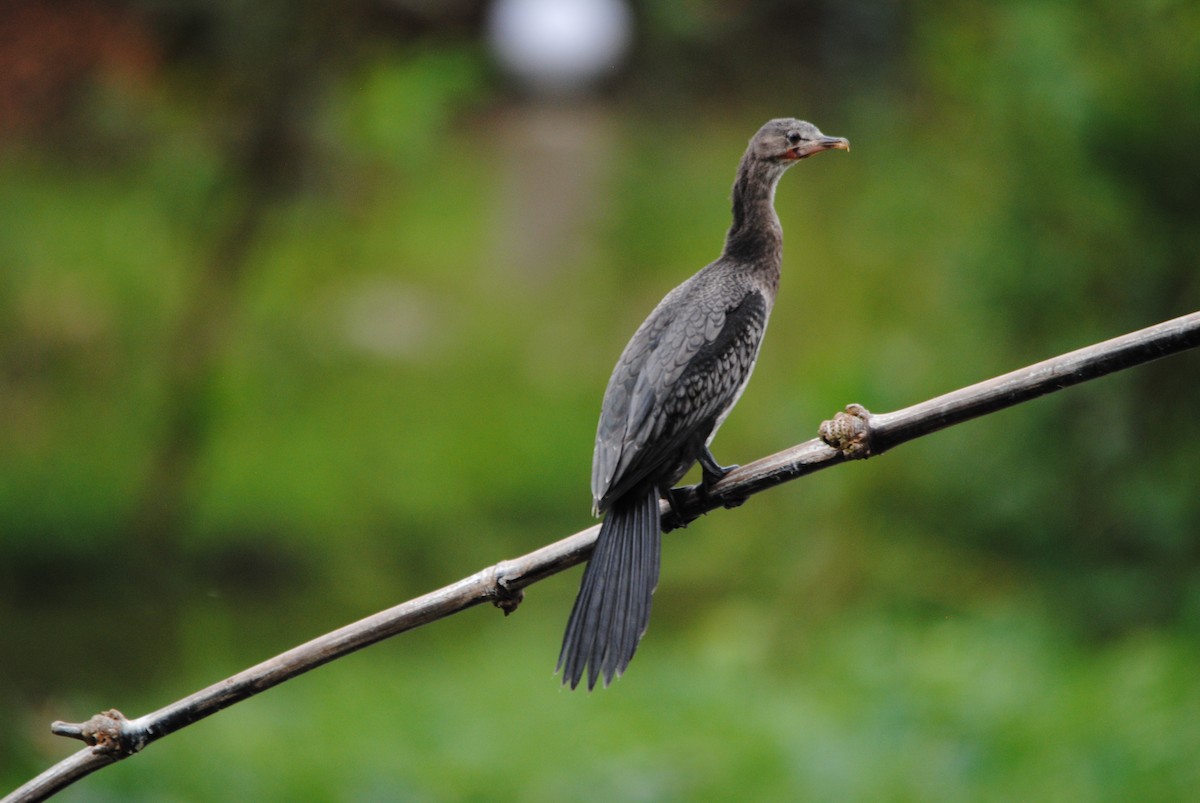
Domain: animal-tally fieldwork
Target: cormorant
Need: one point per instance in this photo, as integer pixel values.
(673, 386)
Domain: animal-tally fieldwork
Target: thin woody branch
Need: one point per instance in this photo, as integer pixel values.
(892, 429)
(855, 433)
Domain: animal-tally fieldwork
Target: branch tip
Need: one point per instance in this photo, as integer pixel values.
(109, 733)
(69, 729)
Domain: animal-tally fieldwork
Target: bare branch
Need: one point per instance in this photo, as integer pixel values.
(855, 433)
(893, 429)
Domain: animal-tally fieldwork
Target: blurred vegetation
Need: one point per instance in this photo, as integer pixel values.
(304, 311)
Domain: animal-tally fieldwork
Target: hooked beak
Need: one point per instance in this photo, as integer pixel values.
(806, 149)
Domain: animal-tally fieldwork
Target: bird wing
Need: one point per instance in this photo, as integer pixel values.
(621, 397)
(674, 383)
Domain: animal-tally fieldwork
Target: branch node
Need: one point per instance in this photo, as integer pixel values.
(109, 733)
(850, 432)
(506, 598)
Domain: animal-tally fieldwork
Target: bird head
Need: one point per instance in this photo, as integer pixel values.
(787, 140)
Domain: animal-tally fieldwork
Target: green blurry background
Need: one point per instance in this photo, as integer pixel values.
(306, 309)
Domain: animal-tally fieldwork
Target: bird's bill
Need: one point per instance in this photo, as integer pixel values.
(807, 149)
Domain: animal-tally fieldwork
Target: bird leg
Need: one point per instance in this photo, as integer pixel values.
(713, 471)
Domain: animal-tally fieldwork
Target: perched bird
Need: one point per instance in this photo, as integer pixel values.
(673, 386)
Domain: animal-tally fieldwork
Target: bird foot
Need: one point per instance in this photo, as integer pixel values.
(704, 489)
(679, 499)
(849, 432)
(675, 518)
(729, 503)
(712, 472)
(711, 478)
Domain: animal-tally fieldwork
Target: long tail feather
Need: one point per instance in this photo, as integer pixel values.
(613, 607)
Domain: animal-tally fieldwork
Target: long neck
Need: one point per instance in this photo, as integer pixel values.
(755, 233)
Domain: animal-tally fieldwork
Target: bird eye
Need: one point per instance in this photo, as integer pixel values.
(794, 138)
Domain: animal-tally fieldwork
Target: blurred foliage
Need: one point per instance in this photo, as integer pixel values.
(303, 312)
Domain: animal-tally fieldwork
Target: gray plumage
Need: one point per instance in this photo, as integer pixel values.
(674, 384)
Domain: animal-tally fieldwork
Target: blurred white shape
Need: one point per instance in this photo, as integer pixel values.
(560, 45)
(388, 319)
